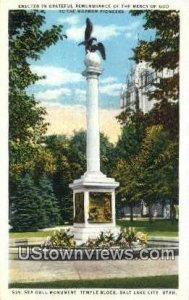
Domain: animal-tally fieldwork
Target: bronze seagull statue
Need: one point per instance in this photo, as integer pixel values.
(88, 30)
(88, 42)
(100, 48)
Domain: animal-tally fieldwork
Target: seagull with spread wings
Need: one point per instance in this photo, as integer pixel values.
(88, 42)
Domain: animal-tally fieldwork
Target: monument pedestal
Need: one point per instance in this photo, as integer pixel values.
(94, 206)
(94, 192)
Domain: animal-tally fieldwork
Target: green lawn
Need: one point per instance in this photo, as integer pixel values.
(154, 228)
(167, 282)
(23, 235)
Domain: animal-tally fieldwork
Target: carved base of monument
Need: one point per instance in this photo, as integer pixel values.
(94, 206)
(82, 234)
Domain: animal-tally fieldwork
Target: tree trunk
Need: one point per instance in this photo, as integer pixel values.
(131, 212)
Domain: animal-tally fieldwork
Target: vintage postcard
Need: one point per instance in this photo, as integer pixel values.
(94, 157)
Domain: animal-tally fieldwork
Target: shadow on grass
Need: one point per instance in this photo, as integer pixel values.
(168, 282)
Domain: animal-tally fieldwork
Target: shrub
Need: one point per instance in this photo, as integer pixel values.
(127, 238)
(60, 238)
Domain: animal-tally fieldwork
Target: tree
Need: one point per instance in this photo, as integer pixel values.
(77, 153)
(162, 52)
(124, 173)
(69, 156)
(67, 166)
(27, 126)
(131, 137)
(51, 211)
(107, 155)
(168, 164)
(152, 174)
(33, 206)
(127, 148)
(27, 41)
(29, 158)
(156, 168)
(26, 206)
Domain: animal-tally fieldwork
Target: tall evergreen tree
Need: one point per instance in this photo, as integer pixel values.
(26, 206)
(50, 208)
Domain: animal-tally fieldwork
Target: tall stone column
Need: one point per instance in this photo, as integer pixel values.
(92, 73)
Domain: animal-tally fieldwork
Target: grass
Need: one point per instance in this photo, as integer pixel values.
(154, 228)
(168, 282)
(15, 235)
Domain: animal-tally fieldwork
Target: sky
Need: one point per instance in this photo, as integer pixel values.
(63, 92)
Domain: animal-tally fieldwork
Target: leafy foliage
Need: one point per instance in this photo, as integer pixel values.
(153, 173)
(162, 53)
(129, 142)
(28, 157)
(61, 238)
(127, 238)
(147, 164)
(69, 157)
(27, 41)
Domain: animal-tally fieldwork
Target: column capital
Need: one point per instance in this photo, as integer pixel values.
(92, 71)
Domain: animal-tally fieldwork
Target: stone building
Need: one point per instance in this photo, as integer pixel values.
(139, 82)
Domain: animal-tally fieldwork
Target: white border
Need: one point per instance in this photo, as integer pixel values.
(183, 6)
